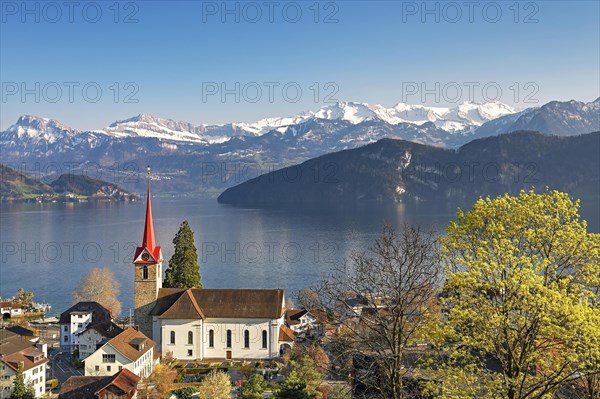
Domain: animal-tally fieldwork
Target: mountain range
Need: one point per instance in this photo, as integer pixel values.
(182, 154)
(393, 171)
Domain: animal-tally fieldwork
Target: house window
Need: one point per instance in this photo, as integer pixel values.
(120, 368)
(172, 338)
(264, 339)
(66, 328)
(145, 273)
(189, 353)
(228, 338)
(108, 368)
(246, 339)
(190, 338)
(108, 358)
(66, 338)
(211, 338)
(97, 368)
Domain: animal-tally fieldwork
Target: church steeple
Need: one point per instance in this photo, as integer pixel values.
(148, 252)
(147, 279)
(148, 239)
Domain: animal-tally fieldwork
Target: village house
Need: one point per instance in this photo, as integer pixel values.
(130, 350)
(18, 352)
(25, 333)
(205, 323)
(76, 319)
(121, 385)
(303, 322)
(95, 335)
(10, 309)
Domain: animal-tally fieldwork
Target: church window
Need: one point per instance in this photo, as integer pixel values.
(172, 338)
(246, 339)
(190, 337)
(211, 338)
(264, 339)
(229, 338)
(145, 273)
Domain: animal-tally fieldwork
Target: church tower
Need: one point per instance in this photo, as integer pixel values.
(147, 273)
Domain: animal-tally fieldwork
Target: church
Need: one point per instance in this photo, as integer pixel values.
(203, 323)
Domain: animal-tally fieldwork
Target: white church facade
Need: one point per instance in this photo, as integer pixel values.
(221, 323)
(203, 323)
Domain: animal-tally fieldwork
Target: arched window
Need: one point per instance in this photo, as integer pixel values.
(228, 338)
(190, 338)
(264, 339)
(145, 273)
(211, 338)
(172, 338)
(246, 339)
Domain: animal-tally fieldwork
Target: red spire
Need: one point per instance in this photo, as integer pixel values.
(148, 240)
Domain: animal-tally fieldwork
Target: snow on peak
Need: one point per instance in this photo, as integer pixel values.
(35, 127)
(461, 118)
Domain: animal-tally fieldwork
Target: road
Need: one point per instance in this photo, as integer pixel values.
(60, 367)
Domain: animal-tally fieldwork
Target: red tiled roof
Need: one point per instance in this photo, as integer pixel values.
(125, 380)
(123, 343)
(89, 387)
(293, 316)
(286, 334)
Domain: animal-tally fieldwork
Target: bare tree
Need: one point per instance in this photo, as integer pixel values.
(308, 298)
(385, 304)
(99, 285)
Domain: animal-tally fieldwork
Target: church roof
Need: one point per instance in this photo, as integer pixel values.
(174, 303)
(184, 307)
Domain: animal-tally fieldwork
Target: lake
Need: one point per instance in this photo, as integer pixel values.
(48, 248)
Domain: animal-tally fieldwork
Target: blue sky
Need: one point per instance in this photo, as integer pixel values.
(170, 55)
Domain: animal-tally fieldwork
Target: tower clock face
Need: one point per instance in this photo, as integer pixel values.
(145, 256)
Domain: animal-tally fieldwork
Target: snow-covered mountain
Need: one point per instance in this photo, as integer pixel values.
(175, 146)
(461, 118)
(464, 118)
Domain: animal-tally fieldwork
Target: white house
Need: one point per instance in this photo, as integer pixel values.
(10, 309)
(303, 322)
(76, 319)
(32, 358)
(221, 323)
(96, 334)
(130, 350)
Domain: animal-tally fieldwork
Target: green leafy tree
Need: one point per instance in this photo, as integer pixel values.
(520, 289)
(308, 373)
(216, 385)
(185, 393)
(20, 389)
(292, 388)
(183, 271)
(24, 297)
(253, 388)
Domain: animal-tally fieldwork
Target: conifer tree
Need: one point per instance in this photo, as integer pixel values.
(183, 271)
(20, 389)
